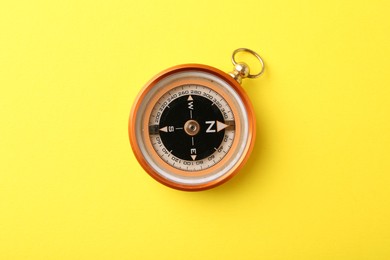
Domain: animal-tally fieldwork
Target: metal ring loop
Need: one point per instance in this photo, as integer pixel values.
(252, 76)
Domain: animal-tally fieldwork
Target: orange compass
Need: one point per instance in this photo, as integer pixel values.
(192, 127)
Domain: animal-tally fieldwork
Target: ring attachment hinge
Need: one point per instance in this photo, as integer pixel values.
(241, 69)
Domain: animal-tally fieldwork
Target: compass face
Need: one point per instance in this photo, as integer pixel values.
(192, 127)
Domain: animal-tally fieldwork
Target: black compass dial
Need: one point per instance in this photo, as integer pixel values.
(190, 127)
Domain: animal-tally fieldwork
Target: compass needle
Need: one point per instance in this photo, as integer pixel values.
(221, 126)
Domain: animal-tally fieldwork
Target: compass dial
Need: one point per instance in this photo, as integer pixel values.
(192, 127)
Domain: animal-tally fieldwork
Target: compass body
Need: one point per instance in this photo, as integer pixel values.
(192, 127)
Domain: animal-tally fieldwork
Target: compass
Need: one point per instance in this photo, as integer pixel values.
(192, 127)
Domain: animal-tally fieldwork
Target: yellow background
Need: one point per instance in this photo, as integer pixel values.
(317, 185)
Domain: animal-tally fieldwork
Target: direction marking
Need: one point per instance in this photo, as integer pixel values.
(193, 153)
(209, 129)
(217, 126)
(155, 129)
(190, 98)
(221, 126)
